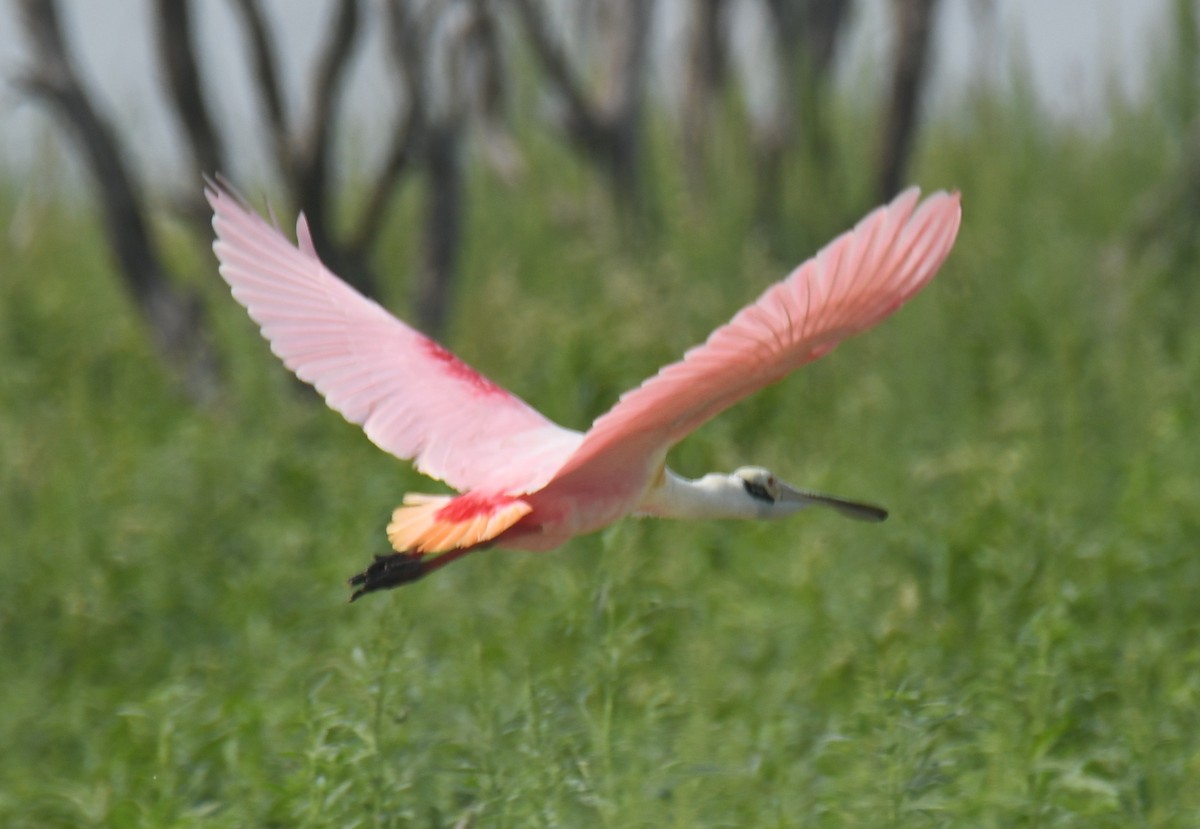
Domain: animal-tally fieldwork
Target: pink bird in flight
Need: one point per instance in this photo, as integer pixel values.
(524, 481)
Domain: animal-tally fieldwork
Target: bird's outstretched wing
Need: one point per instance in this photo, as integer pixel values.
(412, 397)
(850, 285)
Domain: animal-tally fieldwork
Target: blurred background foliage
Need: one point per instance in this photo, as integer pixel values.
(1016, 647)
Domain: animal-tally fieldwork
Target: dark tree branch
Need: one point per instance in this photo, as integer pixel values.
(406, 56)
(826, 22)
(809, 34)
(177, 54)
(174, 316)
(328, 83)
(584, 123)
(311, 162)
(630, 54)
(304, 164)
(403, 149)
(54, 80)
(266, 76)
(703, 73)
(486, 37)
(501, 151)
(447, 61)
(914, 25)
(444, 80)
(609, 136)
(443, 228)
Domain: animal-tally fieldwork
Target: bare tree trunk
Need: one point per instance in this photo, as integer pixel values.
(607, 132)
(407, 57)
(443, 229)
(759, 63)
(704, 74)
(174, 316)
(266, 78)
(914, 26)
(822, 23)
(185, 94)
(628, 41)
(811, 31)
(177, 56)
(312, 157)
(463, 80)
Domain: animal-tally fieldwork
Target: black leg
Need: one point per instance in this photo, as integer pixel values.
(388, 571)
(395, 569)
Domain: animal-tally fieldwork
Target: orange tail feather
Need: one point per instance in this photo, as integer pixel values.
(438, 523)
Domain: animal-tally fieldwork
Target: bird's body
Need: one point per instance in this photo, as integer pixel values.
(524, 481)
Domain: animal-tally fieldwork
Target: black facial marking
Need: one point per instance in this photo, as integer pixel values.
(757, 491)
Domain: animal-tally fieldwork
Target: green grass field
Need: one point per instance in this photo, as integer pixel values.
(1019, 646)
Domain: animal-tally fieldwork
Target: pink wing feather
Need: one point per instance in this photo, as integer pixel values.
(412, 397)
(852, 284)
(418, 401)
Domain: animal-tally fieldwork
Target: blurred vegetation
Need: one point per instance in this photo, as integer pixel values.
(1017, 647)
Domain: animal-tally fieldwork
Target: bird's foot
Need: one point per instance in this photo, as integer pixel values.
(388, 571)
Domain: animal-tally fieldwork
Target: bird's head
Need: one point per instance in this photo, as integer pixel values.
(773, 498)
(762, 487)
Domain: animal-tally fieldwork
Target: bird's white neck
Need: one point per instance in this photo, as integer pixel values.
(713, 496)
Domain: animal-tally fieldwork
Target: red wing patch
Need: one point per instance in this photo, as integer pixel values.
(459, 370)
(438, 523)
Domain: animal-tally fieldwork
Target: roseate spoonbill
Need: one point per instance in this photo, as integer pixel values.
(528, 483)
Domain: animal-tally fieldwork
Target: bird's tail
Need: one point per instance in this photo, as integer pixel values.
(438, 523)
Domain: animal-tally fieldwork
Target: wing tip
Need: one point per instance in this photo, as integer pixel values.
(943, 204)
(229, 204)
(221, 194)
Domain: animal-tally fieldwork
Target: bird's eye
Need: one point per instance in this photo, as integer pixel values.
(758, 491)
